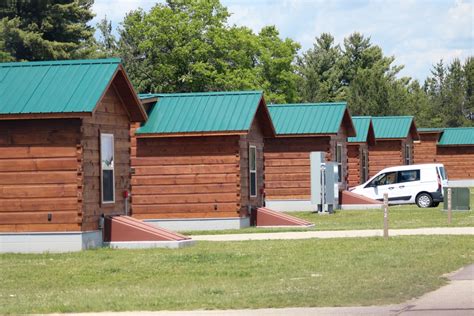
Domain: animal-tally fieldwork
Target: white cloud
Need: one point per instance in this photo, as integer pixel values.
(417, 32)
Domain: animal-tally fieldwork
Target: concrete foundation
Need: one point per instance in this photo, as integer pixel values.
(149, 244)
(361, 206)
(190, 224)
(461, 183)
(290, 205)
(49, 242)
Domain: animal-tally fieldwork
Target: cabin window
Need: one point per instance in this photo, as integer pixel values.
(407, 155)
(339, 162)
(107, 168)
(364, 170)
(253, 170)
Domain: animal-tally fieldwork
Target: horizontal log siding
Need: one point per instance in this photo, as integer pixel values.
(109, 117)
(386, 153)
(354, 157)
(185, 177)
(458, 161)
(287, 166)
(254, 138)
(425, 149)
(39, 170)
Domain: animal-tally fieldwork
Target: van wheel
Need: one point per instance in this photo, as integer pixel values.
(424, 200)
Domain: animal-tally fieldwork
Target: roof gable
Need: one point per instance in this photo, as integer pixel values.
(205, 113)
(394, 127)
(310, 118)
(457, 136)
(364, 130)
(60, 87)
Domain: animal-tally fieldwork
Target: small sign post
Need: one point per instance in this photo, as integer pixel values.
(385, 215)
(449, 205)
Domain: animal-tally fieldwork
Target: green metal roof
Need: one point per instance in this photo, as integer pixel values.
(201, 112)
(54, 86)
(361, 124)
(392, 126)
(307, 118)
(457, 136)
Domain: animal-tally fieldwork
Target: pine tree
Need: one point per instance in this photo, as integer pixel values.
(45, 29)
(320, 72)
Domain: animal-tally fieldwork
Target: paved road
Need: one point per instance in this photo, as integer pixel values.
(338, 234)
(454, 299)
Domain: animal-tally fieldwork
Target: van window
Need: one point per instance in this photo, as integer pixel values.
(384, 179)
(442, 171)
(409, 175)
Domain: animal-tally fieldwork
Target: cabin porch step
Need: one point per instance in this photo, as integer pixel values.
(266, 217)
(128, 229)
(354, 199)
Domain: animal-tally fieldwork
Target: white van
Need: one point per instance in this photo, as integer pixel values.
(421, 184)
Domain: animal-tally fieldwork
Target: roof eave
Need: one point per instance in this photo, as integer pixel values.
(53, 115)
(304, 135)
(190, 134)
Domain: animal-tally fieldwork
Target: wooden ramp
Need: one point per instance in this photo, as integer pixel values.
(128, 229)
(353, 198)
(266, 217)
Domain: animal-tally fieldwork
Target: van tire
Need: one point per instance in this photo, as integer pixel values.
(424, 200)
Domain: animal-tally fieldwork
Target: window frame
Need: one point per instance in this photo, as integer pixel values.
(253, 147)
(364, 169)
(338, 160)
(407, 154)
(417, 175)
(102, 169)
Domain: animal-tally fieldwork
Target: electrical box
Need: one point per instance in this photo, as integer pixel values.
(460, 199)
(324, 183)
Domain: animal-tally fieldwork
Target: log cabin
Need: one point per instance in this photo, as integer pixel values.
(64, 151)
(453, 147)
(358, 150)
(198, 160)
(394, 136)
(425, 149)
(300, 130)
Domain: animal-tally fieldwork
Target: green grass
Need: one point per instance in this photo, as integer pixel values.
(230, 275)
(400, 216)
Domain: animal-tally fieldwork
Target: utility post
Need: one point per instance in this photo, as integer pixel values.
(385, 215)
(449, 205)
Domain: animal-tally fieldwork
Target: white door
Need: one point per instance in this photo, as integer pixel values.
(407, 186)
(383, 183)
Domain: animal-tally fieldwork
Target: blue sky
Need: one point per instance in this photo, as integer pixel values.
(417, 32)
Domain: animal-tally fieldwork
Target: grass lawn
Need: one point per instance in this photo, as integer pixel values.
(247, 274)
(400, 216)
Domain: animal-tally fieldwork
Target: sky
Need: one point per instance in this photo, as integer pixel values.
(417, 32)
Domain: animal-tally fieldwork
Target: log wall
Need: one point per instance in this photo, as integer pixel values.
(39, 172)
(109, 117)
(186, 177)
(354, 163)
(388, 153)
(425, 148)
(287, 166)
(458, 161)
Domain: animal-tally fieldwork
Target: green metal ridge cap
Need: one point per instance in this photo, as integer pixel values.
(62, 62)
